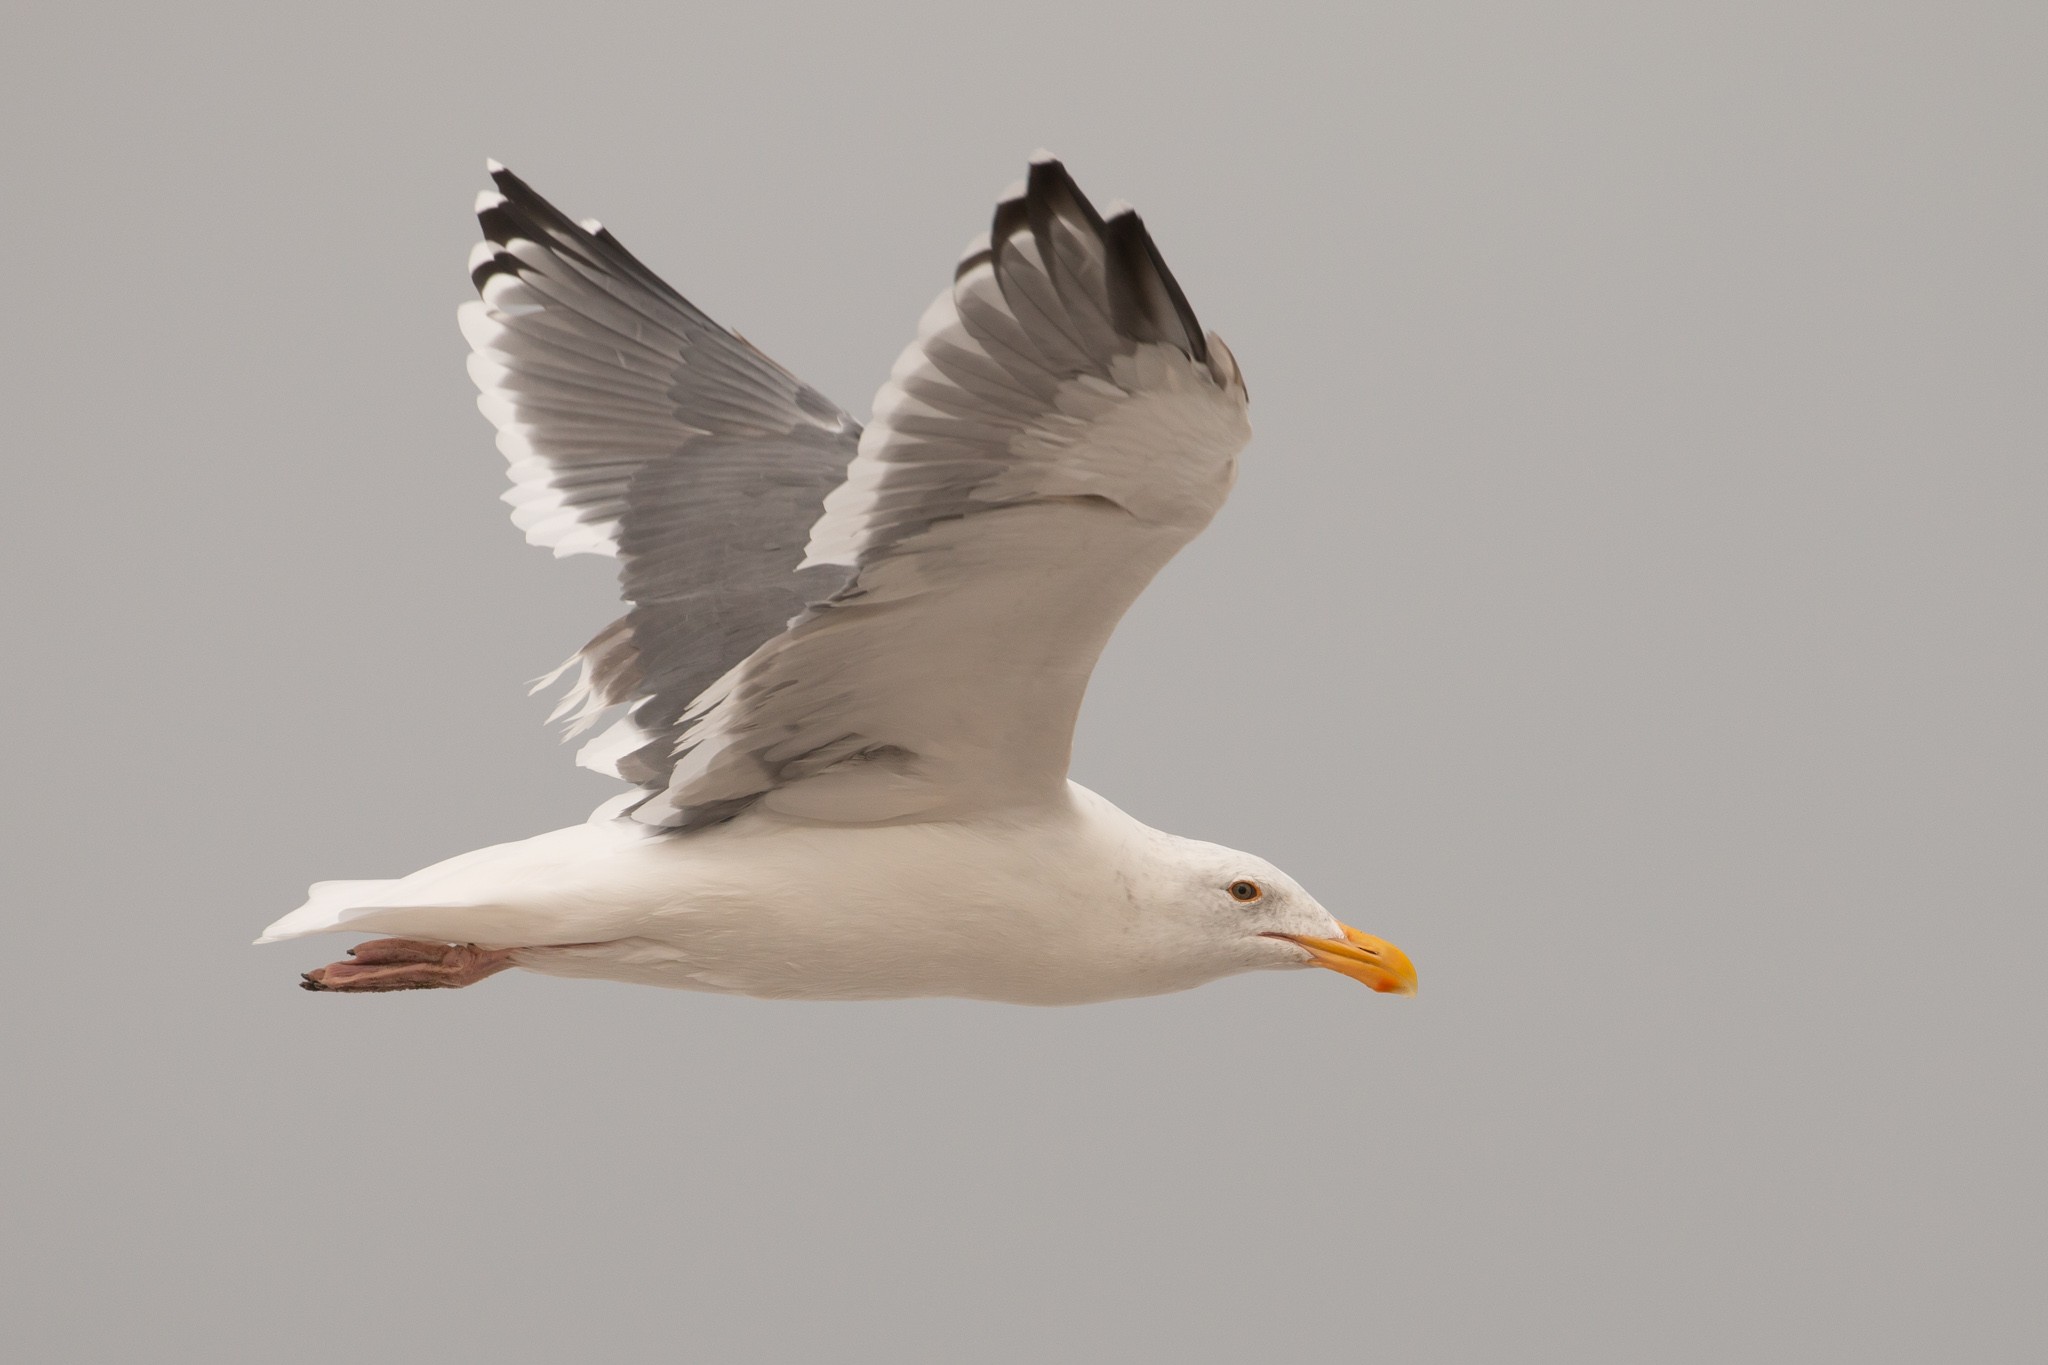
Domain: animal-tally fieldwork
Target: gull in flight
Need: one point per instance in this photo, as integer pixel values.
(845, 685)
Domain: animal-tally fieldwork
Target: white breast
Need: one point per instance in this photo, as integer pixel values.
(1061, 903)
(1046, 907)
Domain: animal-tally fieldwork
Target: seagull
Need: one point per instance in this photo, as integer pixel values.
(845, 686)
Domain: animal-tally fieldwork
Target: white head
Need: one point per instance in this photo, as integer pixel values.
(1219, 912)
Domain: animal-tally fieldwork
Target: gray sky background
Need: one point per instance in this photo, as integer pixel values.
(1631, 605)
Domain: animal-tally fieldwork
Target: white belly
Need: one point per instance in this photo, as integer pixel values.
(1036, 908)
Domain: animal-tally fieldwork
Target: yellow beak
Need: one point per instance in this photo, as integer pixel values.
(1376, 962)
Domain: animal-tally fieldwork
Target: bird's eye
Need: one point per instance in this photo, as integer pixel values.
(1245, 892)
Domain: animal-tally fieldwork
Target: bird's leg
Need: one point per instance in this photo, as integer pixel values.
(408, 964)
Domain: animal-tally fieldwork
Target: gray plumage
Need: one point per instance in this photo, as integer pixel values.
(638, 427)
(871, 803)
(1058, 430)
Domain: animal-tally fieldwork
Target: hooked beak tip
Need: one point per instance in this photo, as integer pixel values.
(1362, 957)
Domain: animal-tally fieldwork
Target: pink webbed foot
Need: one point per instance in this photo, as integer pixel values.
(406, 964)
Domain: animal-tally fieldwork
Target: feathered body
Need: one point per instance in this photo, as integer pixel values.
(1061, 904)
(846, 686)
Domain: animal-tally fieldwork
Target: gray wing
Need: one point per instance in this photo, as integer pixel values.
(637, 427)
(1058, 430)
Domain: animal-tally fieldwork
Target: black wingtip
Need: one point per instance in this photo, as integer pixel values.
(1050, 186)
(1146, 299)
(1157, 292)
(518, 192)
(523, 213)
(518, 200)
